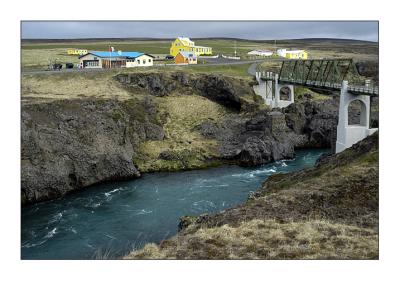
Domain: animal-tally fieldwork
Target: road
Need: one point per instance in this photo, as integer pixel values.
(252, 69)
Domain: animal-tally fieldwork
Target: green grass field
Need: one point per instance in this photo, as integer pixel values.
(38, 55)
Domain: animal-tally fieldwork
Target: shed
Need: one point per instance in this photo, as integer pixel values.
(264, 53)
(186, 58)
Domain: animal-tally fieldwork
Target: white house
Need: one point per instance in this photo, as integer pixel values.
(281, 52)
(263, 53)
(115, 59)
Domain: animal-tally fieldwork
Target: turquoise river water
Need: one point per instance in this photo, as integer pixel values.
(109, 220)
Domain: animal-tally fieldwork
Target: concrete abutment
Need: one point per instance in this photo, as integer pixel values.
(270, 88)
(347, 135)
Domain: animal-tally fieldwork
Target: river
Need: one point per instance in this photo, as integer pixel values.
(110, 219)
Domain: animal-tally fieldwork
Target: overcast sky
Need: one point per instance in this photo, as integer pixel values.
(247, 30)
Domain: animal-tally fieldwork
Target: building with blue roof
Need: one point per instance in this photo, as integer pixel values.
(101, 59)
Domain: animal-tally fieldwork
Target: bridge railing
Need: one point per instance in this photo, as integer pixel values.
(363, 89)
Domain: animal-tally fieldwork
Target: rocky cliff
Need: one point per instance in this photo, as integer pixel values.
(71, 144)
(231, 92)
(165, 121)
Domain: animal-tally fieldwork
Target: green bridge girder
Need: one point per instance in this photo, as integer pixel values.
(319, 72)
(326, 74)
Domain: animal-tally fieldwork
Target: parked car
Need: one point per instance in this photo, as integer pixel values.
(55, 66)
(69, 65)
(169, 57)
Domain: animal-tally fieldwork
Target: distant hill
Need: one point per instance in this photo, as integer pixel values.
(299, 40)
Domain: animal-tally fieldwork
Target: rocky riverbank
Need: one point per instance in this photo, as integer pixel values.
(155, 122)
(326, 212)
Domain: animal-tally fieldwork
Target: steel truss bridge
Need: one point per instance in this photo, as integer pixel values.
(323, 74)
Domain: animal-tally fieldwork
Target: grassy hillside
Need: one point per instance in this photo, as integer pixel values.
(269, 239)
(184, 146)
(326, 212)
(78, 85)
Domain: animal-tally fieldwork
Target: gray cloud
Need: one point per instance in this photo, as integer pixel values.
(361, 30)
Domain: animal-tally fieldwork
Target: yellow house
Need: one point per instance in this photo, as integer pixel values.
(184, 44)
(77, 52)
(296, 54)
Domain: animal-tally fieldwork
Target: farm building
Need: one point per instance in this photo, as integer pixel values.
(115, 60)
(263, 53)
(292, 54)
(184, 44)
(77, 52)
(186, 58)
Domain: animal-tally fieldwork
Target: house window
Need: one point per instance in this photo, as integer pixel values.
(138, 62)
(144, 61)
(149, 60)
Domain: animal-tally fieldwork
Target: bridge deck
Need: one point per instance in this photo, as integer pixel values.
(356, 90)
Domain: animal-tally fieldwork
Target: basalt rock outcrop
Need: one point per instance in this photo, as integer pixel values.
(253, 140)
(316, 121)
(224, 90)
(67, 145)
(369, 69)
(267, 136)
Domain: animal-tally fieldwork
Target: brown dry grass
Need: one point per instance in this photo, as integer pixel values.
(268, 239)
(38, 88)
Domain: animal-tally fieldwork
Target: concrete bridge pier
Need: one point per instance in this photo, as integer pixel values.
(269, 89)
(277, 100)
(261, 88)
(347, 135)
